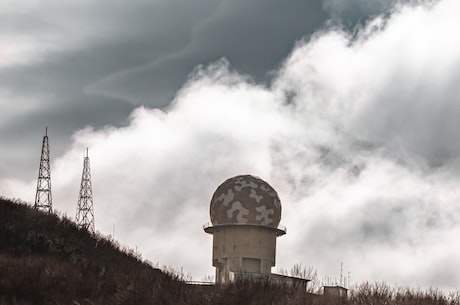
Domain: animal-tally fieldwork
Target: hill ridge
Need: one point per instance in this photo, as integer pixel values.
(47, 259)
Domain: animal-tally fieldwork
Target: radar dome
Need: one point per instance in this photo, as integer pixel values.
(245, 199)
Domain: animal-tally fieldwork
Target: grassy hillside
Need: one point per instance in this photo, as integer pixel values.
(46, 259)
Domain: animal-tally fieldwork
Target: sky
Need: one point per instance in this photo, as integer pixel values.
(348, 108)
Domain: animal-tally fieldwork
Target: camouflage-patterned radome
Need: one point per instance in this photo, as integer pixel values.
(245, 199)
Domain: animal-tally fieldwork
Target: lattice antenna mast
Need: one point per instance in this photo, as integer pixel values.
(43, 198)
(85, 212)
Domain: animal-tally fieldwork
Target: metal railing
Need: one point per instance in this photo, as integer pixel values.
(209, 225)
(200, 283)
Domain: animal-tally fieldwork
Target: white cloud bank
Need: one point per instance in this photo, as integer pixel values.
(359, 135)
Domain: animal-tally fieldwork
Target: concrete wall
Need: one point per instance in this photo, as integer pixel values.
(293, 281)
(243, 249)
(335, 291)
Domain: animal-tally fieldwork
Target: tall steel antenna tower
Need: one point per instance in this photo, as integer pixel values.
(85, 213)
(43, 198)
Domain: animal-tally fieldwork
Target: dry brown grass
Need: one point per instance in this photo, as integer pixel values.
(46, 259)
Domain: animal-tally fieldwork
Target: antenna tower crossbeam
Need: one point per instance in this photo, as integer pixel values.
(85, 212)
(43, 198)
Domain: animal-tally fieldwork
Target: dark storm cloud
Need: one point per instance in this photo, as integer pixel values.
(85, 42)
(52, 92)
(253, 35)
(142, 53)
(356, 10)
(352, 12)
(120, 37)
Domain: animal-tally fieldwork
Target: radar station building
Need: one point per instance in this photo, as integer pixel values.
(245, 215)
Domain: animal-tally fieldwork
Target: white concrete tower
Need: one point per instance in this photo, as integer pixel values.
(245, 214)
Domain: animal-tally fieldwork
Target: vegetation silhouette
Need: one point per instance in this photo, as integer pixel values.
(47, 259)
